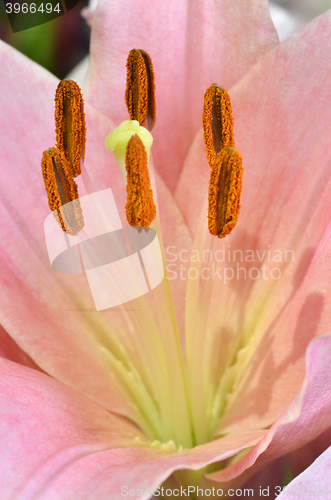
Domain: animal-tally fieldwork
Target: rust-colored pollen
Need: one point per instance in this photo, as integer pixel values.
(70, 124)
(140, 88)
(224, 192)
(217, 122)
(140, 207)
(62, 189)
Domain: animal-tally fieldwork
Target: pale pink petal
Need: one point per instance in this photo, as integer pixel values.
(10, 350)
(56, 443)
(302, 421)
(195, 173)
(192, 44)
(295, 314)
(45, 426)
(282, 130)
(98, 476)
(72, 451)
(314, 482)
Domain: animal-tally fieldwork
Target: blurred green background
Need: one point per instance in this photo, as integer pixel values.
(57, 45)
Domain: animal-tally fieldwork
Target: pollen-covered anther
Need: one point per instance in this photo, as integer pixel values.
(140, 207)
(217, 122)
(70, 124)
(224, 192)
(140, 88)
(62, 191)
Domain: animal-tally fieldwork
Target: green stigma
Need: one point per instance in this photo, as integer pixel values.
(118, 139)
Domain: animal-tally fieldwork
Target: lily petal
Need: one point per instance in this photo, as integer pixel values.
(10, 350)
(56, 443)
(82, 461)
(303, 420)
(45, 428)
(188, 51)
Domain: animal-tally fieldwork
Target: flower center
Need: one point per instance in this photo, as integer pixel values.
(170, 402)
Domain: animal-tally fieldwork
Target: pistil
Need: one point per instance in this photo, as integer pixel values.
(117, 141)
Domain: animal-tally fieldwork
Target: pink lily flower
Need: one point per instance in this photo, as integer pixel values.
(210, 391)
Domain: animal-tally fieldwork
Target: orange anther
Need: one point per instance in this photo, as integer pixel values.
(224, 192)
(61, 190)
(140, 88)
(217, 122)
(140, 207)
(70, 124)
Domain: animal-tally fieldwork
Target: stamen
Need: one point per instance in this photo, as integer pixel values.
(70, 124)
(217, 122)
(140, 88)
(140, 207)
(224, 192)
(61, 190)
